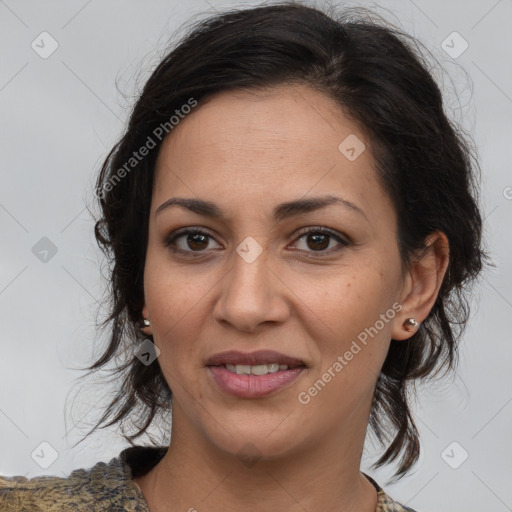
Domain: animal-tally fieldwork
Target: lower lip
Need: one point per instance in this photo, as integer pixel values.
(253, 386)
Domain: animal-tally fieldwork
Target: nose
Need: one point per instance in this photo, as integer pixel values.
(251, 295)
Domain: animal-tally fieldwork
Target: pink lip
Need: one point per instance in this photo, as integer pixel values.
(253, 386)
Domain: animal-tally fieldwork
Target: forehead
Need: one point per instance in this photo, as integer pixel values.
(277, 144)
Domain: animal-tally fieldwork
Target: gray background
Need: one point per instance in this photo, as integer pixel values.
(59, 117)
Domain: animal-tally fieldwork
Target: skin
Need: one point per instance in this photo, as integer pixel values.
(248, 152)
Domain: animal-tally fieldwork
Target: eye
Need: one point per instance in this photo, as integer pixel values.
(190, 240)
(320, 240)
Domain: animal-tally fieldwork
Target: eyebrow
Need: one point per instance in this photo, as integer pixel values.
(280, 212)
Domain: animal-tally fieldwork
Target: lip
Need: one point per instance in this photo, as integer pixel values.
(253, 358)
(253, 386)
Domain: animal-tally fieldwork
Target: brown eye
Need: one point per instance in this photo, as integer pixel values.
(190, 241)
(320, 240)
(197, 241)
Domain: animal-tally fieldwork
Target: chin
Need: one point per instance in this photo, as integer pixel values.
(253, 439)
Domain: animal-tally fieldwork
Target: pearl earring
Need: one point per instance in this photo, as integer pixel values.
(146, 322)
(410, 324)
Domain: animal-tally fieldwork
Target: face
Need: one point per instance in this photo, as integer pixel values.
(289, 246)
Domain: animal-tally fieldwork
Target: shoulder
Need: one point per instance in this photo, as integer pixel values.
(105, 486)
(390, 505)
(384, 502)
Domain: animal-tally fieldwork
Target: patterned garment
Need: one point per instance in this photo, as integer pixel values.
(106, 487)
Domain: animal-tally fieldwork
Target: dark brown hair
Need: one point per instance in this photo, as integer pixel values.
(381, 80)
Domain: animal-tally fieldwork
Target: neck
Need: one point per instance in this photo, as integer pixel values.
(195, 476)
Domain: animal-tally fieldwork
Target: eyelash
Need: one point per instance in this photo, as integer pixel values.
(170, 241)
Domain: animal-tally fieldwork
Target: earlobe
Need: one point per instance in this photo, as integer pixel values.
(425, 276)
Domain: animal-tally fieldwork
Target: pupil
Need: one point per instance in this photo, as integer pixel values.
(319, 241)
(195, 240)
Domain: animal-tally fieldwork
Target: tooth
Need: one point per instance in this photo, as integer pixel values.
(243, 369)
(260, 369)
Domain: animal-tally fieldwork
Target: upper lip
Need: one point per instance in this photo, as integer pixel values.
(253, 358)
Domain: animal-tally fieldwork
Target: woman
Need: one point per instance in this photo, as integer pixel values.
(293, 223)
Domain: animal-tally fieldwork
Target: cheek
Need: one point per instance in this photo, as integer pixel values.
(177, 304)
(347, 301)
(174, 291)
(350, 315)
(351, 341)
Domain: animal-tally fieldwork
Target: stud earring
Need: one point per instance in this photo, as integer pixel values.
(410, 324)
(146, 322)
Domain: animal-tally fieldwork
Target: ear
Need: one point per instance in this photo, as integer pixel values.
(421, 284)
(146, 329)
